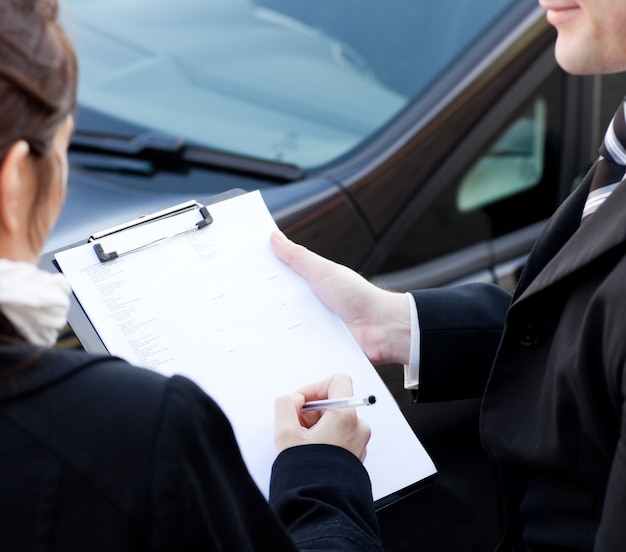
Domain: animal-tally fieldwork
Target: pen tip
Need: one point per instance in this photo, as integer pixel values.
(371, 399)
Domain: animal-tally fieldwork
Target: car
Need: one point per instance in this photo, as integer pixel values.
(420, 143)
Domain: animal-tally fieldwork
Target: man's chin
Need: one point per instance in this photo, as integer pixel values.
(573, 61)
(582, 61)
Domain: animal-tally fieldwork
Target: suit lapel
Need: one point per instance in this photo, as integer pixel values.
(565, 246)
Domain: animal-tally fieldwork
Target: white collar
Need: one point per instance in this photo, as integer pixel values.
(36, 302)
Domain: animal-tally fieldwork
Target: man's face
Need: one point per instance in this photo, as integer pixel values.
(591, 34)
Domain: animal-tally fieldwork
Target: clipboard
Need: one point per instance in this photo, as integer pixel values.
(77, 318)
(223, 311)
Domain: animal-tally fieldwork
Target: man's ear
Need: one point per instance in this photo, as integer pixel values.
(12, 187)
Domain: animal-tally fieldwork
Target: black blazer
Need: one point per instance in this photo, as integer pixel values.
(554, 411)
(98, 455)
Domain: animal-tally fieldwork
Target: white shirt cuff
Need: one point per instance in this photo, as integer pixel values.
(412, 369)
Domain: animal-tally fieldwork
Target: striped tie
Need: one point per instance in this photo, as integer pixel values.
(611, 167)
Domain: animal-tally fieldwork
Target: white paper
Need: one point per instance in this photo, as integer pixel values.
(217, 306)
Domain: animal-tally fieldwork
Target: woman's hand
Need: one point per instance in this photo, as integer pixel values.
(340, 426)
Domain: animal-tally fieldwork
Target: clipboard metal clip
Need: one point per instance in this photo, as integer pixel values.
(103, 256)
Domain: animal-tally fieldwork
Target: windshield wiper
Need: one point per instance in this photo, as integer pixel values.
(172, 153)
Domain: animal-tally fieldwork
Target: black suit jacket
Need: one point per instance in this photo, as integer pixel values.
(98, 455)
(553, 414)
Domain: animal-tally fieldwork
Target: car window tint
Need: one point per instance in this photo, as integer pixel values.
(511, 166)
(513, 184)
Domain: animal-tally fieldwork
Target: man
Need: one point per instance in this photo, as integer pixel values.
(550, 361)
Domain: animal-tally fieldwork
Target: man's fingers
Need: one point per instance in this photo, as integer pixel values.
(285, 250)
(307, 264)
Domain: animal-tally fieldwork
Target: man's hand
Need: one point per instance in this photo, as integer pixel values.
(378, 319)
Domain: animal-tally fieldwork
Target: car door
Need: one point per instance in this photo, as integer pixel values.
(485, 214)
(477, 217)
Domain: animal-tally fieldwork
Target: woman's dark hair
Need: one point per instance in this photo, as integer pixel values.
(38, 80)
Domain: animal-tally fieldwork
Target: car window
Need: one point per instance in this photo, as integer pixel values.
(512, 184)
(511, 166)
(295, 82)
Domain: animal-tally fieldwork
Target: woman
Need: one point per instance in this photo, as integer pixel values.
(96, 454)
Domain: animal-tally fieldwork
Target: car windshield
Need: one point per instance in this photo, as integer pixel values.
(280, 80)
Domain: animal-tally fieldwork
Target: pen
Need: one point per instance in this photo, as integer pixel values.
(346, 402)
